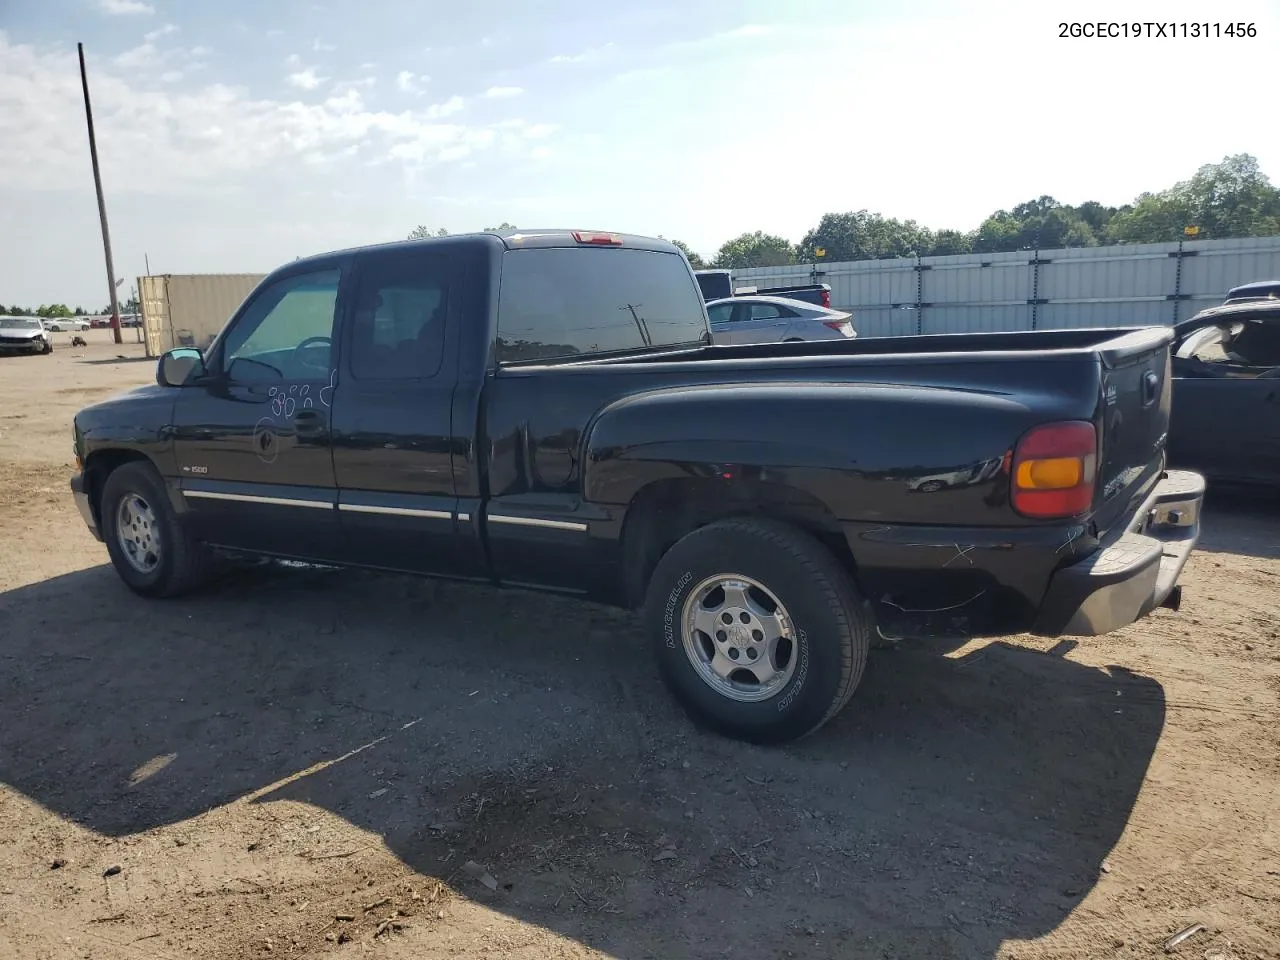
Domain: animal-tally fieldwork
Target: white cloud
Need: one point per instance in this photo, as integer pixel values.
(447, 109)
(152, 35)
(499, 93)
(589, 54)
(293, 60)
(410, 82)
(211, 137)
(747, 30)
(319, 46)
(306, 79)
(143, 55)
(117, 7)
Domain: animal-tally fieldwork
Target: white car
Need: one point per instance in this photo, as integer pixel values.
(760, 319)
(24, 335)
(63, 324)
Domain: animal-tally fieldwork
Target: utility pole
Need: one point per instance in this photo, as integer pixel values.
(102, 204)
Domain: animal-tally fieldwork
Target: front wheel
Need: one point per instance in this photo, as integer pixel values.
(152, 552)
(759, 632)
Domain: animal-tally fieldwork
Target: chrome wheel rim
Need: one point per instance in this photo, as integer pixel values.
(138, 533)
(739, 638)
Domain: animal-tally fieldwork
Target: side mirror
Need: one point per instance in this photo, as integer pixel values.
(179, 367)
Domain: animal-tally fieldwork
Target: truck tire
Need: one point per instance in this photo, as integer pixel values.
(150, 549)
(786, 632)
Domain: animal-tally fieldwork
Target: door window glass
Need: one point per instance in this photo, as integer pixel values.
(286, 333)
(720, 312)
(398, 321)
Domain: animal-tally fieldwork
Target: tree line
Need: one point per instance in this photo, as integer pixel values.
(1228, 199)
(53, 310)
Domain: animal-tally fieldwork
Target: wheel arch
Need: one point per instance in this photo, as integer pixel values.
(101, 464)
(664, 511)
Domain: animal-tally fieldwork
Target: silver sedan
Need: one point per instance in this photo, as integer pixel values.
(775, 320)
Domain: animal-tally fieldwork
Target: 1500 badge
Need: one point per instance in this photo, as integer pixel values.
(195, 469)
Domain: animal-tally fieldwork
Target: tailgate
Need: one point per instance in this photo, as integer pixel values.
(1137, 391)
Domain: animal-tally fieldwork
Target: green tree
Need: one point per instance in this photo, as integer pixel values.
(54, 310)
(758, 249)
(422, 232)
(503, 227)
(1228, 199)
(948, 243)
(79, 311)
(695, 261)
(864, 236)
(1096, 216)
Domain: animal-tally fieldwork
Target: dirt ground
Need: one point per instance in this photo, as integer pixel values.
(299, 763)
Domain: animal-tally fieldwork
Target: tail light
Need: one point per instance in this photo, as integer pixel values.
(826, 299)
(1054, 469)
(603, 239)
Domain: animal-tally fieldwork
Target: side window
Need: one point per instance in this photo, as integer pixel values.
(764, 311)
(568, 301)
(398, 317)
(286, 332)
(1243, 349)
(720, 312)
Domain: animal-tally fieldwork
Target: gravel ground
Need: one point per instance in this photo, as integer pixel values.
(310, 764)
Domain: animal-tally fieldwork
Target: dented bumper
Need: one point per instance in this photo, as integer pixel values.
(1134, 573)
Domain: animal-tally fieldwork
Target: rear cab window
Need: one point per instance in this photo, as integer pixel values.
(569, 302)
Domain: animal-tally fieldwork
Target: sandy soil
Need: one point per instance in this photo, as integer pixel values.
(301, 763)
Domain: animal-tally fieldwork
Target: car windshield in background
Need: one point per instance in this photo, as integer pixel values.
(19, 323)
(562, 302)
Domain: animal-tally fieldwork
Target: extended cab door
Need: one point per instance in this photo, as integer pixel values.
(394, 439)
(251, 439)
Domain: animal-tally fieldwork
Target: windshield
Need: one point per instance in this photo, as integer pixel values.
(19, 323)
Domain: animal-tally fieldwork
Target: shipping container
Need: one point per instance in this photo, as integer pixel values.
(188, 310)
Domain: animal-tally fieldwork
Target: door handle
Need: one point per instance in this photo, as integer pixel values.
(308, 423)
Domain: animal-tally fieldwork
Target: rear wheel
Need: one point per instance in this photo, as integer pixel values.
(759, 632)
(150, 549)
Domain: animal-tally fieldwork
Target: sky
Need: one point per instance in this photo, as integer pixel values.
(239, 135)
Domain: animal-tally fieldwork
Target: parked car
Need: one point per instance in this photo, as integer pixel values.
(1258, 290)
(719, 285)
(1226, 395)
(24, 335)
(775, 320)
(547, 411)
(64, 324)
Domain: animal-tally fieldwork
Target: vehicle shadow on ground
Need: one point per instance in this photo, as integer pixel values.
(110, 361)
(956, 804)
(1244, 521)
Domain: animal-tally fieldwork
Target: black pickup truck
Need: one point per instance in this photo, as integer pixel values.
(544, 410)
(718, 284)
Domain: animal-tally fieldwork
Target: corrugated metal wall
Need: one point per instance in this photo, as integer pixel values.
(190, 309)
(1083, 287)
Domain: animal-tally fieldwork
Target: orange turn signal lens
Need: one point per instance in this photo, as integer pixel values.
(1055, 473)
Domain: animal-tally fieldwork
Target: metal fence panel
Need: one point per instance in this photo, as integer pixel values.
(1124, 285)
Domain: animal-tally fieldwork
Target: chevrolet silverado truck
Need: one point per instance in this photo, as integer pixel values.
(545, 410)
